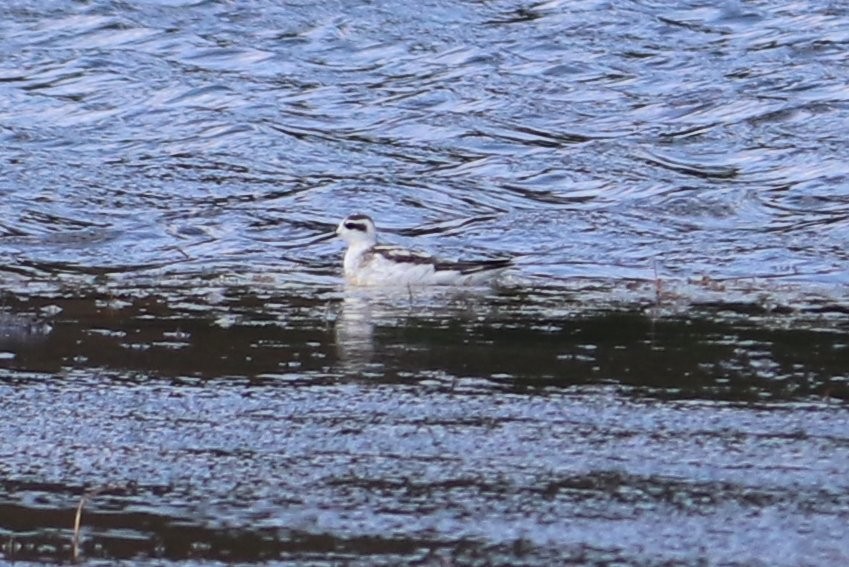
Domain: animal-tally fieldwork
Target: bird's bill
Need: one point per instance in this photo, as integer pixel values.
(323, 238)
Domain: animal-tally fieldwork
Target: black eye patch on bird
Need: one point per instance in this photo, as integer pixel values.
(356, 226)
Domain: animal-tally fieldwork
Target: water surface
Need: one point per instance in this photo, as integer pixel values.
(661, 379)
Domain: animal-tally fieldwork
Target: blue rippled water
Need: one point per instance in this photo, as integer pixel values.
(662, 379)
(592, 139)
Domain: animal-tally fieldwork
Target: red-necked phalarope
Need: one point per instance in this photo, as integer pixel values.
(369, 263)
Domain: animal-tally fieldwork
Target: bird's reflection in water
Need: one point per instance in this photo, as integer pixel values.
(355, 331)
(364, 309)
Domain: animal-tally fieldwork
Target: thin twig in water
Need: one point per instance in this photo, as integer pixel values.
(78, 517)
(76, 541)
(657, 284)
(327, 314)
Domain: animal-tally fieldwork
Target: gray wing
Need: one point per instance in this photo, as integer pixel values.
(475, 266)
(402, 255)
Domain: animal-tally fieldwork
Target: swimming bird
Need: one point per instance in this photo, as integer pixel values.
(368, 263)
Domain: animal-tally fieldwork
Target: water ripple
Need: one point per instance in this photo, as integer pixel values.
(671, 179)
(673, 125)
